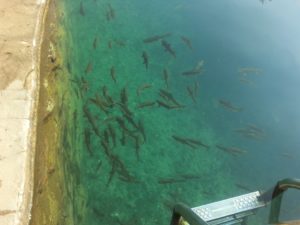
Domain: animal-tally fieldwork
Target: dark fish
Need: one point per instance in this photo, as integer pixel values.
(231, 150)
(56, 68)
(124, 96)
(163, 104)
(197, 142)
(87, 140)
(124, 109)
(145, 58)
(95, 42)
(50, 171)
(92, 121)
(187, 42)
(104, 91)
(121, 123)
(109, 44)
(111, 174)
(107, 97)
(252, 131)
(287, 155)
(113, 74)
(123, 138)
(191, 176)
(121, 169)
(100, 103)
(89, 68)
(99, 213)
(128, 180)
(108, 119)
(183, 141)
(142, 88)
(247, 81)
(145, 104)
(106, 136)
(48, 116)
(168, 48)
(106, 149)
(108, 16)
(137, 147)
(98, 166)
(111, 11)
(191, 94)
(81, 10)
(229, 106)
(170, 180)
(169, 97)
(69, 68)
(131, 121)
(112, 134)
(196, 88)
(120, 43)
(142, 129)
(84, 86)
(255, 128)
(166, 78)
(156, 38)
(167, 106)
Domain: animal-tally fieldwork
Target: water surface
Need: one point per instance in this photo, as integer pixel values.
(232, 68)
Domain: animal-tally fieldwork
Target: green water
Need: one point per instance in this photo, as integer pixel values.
(128, 161)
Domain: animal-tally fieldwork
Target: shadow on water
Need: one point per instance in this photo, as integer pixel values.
(158, 112)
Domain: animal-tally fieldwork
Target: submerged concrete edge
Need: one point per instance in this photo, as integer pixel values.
(26, 197)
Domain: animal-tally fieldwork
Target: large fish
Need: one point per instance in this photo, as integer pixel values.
(146, 59)
(197, 70)
(89, 68)
(197, 142)
(228, 105)
(183, 141)
(231, 150)
(142, 88)
(187, 42)
(146, 104)
(113, 74)
(87, 140)
(124, 96)
(168, 48)
(168, 106)
(156, 38)
(92, 121)
(100, 103)
(112, 11)
(169, 97)
(112, 134)
(81, 10)
(95, 42)
(166, 77)
(191, 93)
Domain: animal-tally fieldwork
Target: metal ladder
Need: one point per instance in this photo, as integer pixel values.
(234, 210)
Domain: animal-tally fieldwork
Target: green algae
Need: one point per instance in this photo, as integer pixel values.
(54, 184)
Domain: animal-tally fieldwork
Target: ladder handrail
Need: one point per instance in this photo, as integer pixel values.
(277, 195)
(181, 210)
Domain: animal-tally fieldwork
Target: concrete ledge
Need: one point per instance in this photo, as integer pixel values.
(20, 32)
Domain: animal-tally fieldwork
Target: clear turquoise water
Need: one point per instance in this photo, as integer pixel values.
(126, 185)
